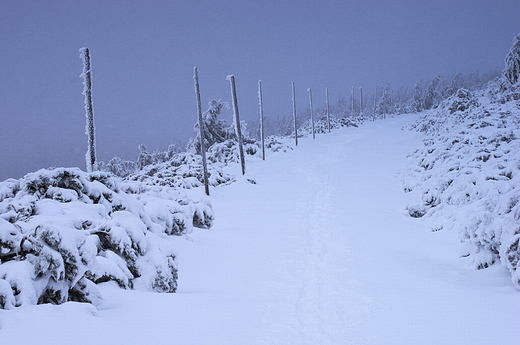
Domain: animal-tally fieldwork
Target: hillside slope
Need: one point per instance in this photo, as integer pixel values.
(321, 250)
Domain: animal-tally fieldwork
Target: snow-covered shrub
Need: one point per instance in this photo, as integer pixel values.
(183, 170)
(63, 231)
(510, 81)
(321, 125)
(512, 70)
(120, 167)
(215, 130)
(467, 176)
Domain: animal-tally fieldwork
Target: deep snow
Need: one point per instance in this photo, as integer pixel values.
(319, 251)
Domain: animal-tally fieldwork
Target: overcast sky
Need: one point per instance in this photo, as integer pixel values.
(143, 54)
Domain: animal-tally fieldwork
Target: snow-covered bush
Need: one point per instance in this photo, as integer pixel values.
(215, 130)
(321, 125)
(120, 167)
(63, 231)
(183, 170)
(510, 81)
(466, 176)
(512, 70)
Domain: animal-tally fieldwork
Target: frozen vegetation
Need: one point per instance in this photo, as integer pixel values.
(320, 246)
(62, 231)
(466, 175)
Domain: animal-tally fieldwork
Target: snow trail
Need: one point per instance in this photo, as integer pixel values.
(319, 251)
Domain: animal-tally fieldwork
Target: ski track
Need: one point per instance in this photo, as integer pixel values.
(319, 251)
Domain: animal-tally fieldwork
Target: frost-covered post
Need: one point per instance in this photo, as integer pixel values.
(328, 109)
(294, 114)
(360, 100)
(352, 103)
(312, 113)
(375, 104)
(201, 129)
(231, 79)
(89, 112)
(261, 104)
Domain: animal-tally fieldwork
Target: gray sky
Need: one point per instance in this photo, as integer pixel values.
(143, 54)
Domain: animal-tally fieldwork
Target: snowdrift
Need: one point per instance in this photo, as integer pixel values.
(63, 231)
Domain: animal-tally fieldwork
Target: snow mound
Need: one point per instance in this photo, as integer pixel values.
(466, 176)
(63, 231)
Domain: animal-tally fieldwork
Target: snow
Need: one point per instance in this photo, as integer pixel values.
(321, 250)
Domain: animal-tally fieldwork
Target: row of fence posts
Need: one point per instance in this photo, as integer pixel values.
(236, 117)
(90, 130)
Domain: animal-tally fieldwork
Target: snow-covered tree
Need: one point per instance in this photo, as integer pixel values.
(512, 71)
(120, 167)
(215, 130)
(432, 95)
(384, 105)
(145, 158)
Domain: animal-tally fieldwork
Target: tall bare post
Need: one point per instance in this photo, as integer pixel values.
(312, 113)
(294, 114)
(328, 109)
(231, 79)
(352, 103)
(261, 104)
(375, 104)
(201, 130)
(89, 112)
(360, 100)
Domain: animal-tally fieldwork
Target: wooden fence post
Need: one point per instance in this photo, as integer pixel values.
(361, 100)
(201, 130)
(261, 103)
(328, 109)
(89, 112)
(231, 79)
(294, 115)
(352, 103)
(312, 113)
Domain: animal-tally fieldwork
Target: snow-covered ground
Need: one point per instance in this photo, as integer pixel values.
(321, 250)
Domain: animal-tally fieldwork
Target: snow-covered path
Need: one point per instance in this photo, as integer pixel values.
(319, 251)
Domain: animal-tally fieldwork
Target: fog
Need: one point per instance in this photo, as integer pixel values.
(143, 54)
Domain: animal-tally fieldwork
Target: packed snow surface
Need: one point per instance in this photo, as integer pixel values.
(321, 250)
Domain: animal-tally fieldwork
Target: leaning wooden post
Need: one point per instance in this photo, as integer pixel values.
(261, 104)
(231, 79)
(328, 109)
(201, 130)
(89, 112)
(312, 113)
(294, 114)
